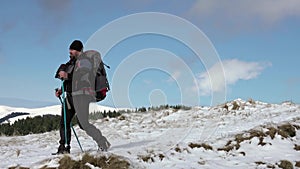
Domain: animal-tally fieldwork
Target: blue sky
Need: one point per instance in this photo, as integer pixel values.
(256, 43)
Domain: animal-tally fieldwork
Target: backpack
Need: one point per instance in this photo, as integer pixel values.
(101, 82)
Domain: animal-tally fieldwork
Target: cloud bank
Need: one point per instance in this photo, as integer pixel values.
(234, 70)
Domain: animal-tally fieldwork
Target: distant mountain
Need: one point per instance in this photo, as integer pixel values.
(11, 114)
(15, 102)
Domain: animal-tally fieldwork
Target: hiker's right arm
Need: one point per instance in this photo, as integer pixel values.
(63, 75)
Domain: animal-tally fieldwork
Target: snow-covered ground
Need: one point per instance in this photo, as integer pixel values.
(238, 134)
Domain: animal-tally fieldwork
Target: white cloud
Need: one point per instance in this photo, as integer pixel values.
(245, 13)
(233, 71)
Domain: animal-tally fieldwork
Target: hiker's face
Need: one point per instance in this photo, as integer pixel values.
(73, 53)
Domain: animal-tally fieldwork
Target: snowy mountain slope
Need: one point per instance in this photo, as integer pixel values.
(5, 110)
(54, 110)
(238, 134)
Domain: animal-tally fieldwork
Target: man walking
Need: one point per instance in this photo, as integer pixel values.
(79, 81)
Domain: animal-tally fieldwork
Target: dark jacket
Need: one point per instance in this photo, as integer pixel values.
(69, 69)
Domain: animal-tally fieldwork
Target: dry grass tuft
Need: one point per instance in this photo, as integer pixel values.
(196, 145)
(103, 162)
(285, 131)
(285, 164)
(297, 164)
(297, 147)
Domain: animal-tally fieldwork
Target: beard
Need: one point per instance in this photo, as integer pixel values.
(72, 56)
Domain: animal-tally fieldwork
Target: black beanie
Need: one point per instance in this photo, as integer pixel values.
(76, 45)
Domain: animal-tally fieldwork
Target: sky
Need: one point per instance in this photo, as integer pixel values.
(160, 52)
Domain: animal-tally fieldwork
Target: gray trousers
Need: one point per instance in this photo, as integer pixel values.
(81, 105)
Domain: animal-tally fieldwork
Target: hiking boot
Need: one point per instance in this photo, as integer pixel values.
(67, 149)
(63, 150)
(104, 145)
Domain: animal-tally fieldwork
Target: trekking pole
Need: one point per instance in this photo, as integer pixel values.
(76, 138)
(64, 108)
(63, 102)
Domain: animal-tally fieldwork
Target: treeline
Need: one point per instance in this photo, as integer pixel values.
(104, 114)
(45, 123)
(113, 114)
(162, 107)
(31, 125)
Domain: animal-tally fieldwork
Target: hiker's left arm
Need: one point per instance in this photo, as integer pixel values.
(85, 66)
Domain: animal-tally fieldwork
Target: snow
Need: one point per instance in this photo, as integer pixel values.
(164, 136)
(54, 110)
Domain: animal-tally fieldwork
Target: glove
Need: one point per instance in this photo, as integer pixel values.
(58, 92)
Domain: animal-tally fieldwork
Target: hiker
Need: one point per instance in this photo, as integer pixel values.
(77, 73)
